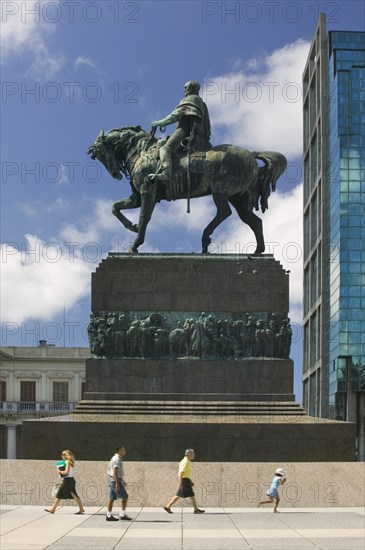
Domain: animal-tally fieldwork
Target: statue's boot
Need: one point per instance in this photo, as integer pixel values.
(166, 165)
(164, 169)
(164, 172)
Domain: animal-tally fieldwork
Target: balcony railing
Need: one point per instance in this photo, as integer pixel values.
(36, 407)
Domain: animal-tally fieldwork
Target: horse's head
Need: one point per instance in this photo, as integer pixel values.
(112, 148)
(104, 149)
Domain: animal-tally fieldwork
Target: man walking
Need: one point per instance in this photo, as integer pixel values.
(117, 485)
(186, 485)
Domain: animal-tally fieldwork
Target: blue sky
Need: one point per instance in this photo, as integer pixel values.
(69, 69)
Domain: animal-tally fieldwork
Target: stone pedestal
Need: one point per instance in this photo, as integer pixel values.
(191, 351)
(231, 283)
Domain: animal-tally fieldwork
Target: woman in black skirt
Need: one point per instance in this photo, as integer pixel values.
(68, 487)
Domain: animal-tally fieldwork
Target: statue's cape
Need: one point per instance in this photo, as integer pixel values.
(191, 105)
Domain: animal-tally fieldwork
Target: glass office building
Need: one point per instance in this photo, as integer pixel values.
(334, 225)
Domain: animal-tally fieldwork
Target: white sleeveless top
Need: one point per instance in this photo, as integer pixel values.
(70, 472)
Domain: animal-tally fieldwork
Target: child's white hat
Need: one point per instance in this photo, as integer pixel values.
(280, 471)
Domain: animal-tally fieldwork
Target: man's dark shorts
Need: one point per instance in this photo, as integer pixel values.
(187, 490)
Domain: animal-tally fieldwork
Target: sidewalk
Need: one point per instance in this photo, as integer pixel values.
(31, 528)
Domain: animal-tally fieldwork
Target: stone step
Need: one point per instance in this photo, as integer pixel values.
(190, 408)
(173, 397)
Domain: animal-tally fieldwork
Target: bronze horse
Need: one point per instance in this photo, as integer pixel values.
(227, 172)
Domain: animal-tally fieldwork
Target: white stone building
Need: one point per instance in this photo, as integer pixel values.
(36, 382)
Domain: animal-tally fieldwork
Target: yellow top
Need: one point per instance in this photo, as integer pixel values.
(185, 468)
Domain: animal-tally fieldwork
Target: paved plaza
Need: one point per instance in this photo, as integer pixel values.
(31, 528)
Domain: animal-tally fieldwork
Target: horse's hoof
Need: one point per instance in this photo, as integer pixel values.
(133, 227)
(205, 243)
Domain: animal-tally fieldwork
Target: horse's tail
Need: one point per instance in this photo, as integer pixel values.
(274, 165)
(276, 161)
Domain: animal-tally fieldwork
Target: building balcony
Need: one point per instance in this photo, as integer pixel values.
(36, 407)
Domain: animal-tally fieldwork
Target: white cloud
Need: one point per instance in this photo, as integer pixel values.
(92, 227)
(83, 60)
(283, 224)
(39, 278)
(40, 275)
(173, 214)
(45, 64)
(25, 31)
(33, 209)
(260, 106)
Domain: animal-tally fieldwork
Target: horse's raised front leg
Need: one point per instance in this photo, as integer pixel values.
(148, 201)
(133, 201)
(223, 212)
(254, 222)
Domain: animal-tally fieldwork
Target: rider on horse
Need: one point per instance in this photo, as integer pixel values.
(193, 128)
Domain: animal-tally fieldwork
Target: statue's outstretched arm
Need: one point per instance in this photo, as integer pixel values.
(170, 119)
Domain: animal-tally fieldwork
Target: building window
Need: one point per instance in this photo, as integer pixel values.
(27, 395)
(313, 340)
(60, 392)
(306, 289)
(313, 279)
(2, 390)
(27, 391)
(306, 347)
(305, 395)
(340, 406)
(314, 220)
(312, 394)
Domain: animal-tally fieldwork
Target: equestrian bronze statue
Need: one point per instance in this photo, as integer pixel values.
(188, 169)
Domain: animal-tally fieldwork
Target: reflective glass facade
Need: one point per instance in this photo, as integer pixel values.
(346, 218)
(334, 222)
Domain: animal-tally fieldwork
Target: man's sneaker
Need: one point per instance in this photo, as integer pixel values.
(111, 518)
(168, 510)
(125, 518)
(198, 511)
